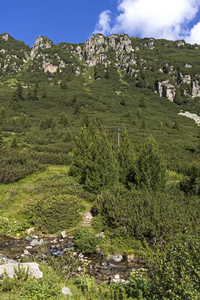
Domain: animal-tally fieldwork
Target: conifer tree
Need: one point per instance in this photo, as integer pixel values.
(17, 95)
(151, 169)
(80, 162)
(126, 158)
(103, 170)
(94, 161)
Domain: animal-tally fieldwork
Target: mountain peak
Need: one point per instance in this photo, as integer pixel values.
(40, 42)
(5, 36)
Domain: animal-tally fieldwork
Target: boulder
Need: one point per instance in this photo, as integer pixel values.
(130, 258)
(66, 291)
(116, 278)
(36, 242)
(35, 237)
(115, 258)
(34, 270)
(63, 234)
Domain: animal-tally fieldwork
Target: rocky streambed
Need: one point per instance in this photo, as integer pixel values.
(102, 268)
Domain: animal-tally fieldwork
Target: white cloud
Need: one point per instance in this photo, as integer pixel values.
(103, 26)
(194, 36)
(153, 18)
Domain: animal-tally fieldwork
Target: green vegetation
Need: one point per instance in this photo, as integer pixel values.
(61, 156)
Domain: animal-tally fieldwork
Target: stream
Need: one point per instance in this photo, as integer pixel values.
(98, 266)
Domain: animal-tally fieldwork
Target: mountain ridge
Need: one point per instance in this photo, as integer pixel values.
(170, 68)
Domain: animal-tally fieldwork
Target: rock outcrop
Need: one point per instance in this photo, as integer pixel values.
(98, 49)
(167, 90)
(40, 42)
(195, 89)
(5, 36)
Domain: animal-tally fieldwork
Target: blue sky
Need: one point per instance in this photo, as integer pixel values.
(75, 20)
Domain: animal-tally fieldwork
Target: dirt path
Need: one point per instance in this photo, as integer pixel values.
(87, 219)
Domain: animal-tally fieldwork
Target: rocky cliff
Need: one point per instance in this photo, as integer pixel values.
(161, 65)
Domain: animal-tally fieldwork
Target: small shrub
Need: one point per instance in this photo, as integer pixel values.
(85, 240)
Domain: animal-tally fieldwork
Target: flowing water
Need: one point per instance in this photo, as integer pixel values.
(98, 266)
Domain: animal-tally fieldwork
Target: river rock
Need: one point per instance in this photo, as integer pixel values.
(36, 242)
(29, 247)
(29, 230)
(33, 269)
(28, 239)
(63, 234)
(130, 258)
(35, 237)
(66, 291)
(116, 278)
(115, 258)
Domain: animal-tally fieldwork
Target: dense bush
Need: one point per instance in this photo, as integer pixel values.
(55, 213)
(147, 214)
(15, 165)
(191, 182)
(175, 274)
(52, 158)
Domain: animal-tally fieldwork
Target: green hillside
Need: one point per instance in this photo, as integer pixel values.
(96, 126)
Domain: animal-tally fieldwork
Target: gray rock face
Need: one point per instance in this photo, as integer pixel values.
(195, 89)
(5, 36)
(167, 90)
(40, 42)
(34, 270)
(180, 43)
(95, 49)
(186, 78)
(150, 44)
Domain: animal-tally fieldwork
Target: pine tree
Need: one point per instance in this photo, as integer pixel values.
(126, 158)
(35, 93)
(44, 94)
(178, 100)
(103, 170)
(29, 94)
(94, 162)
(151, 169)
(80, 162)
(77, 108)
(17, 95)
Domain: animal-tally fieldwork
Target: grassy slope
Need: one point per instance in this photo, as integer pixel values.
(99, 99)
(16, 196)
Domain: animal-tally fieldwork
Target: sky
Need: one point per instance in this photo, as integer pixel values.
(74, 21)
